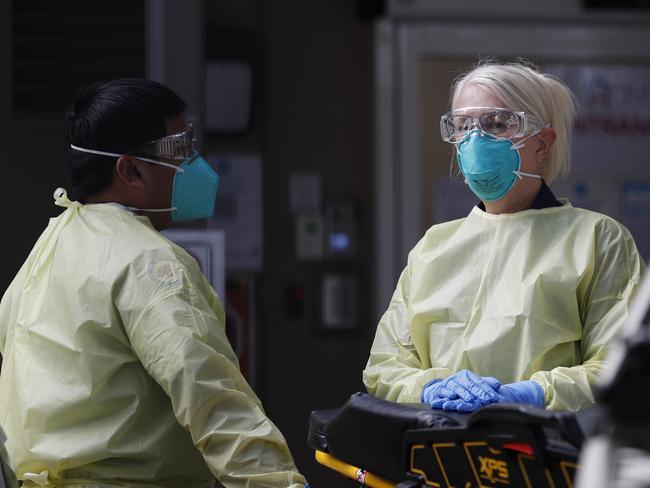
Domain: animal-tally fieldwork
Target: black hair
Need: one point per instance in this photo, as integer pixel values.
(118, 116)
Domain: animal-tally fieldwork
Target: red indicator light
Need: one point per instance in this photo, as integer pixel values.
(520, 447)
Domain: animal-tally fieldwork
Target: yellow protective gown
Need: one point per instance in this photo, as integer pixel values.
(117, 370)
(534, 295)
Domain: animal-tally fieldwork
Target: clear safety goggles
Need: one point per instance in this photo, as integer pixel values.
(181, 145)
(501, 123)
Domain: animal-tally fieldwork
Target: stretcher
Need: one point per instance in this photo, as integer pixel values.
(383, 444)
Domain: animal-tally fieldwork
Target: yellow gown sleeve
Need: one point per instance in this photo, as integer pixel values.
(604, 298)
(9, 309)
(395, 370)
(181, 341)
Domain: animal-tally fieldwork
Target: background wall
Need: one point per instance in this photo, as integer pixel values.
(318, 116)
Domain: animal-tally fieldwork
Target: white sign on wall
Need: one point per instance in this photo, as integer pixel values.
(613, 129)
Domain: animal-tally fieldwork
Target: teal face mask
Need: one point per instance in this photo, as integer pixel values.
(490, 165)
(194, 189)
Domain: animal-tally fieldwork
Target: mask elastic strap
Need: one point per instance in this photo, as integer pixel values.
(104, 153)
(126, 207)
(170, 209)
(160, 163)
(519, 144)
(521, 174)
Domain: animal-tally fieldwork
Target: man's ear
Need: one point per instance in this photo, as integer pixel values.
(546, 140)
(128, 172)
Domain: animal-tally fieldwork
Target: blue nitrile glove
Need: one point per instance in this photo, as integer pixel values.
(467, 388)
(529, 392)
(457, 405)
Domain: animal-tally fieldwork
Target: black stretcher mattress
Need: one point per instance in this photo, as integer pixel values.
(498, 445)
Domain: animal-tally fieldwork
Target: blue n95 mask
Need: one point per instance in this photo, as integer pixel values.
(490, 165)
(194, 190)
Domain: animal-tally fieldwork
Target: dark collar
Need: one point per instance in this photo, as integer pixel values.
(544, 199)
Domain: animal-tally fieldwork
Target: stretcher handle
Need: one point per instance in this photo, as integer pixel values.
(352, 472)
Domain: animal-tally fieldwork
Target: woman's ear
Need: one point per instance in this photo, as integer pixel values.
(546, 140)
(129, 172)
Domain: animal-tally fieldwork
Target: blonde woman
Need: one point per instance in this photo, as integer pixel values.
(518, 301)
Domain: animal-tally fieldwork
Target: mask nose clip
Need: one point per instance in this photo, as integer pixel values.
(474, 126)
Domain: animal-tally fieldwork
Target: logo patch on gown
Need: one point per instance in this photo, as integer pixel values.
(165, 272)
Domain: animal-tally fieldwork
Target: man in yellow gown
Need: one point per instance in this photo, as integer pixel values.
(117, 370)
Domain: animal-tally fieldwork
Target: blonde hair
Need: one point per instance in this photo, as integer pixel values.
(522, 87)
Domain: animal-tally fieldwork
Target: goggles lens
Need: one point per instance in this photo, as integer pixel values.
(498, 122)
(181, 145)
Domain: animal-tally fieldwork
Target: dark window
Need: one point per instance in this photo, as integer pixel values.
(60, 46)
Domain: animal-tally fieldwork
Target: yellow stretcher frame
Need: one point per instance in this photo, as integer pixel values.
(352, 472)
